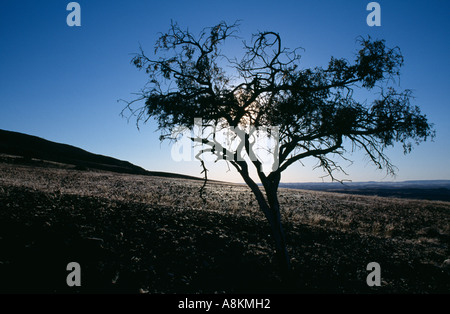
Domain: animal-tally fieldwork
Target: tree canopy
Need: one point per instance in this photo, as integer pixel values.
(314, 108)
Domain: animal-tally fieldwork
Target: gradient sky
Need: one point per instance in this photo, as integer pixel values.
(62, 83)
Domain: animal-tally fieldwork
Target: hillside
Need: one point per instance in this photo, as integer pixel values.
(147, 234)
(40, 152)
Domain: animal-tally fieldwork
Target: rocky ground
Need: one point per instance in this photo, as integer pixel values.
(143, 234)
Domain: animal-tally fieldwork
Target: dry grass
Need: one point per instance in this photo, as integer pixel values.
(157, 235)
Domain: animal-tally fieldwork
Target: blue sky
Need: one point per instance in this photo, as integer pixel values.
(62, 83)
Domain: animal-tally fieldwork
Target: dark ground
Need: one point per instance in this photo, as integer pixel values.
(138, 234)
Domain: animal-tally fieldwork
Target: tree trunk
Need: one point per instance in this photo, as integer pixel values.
(279, 237)
(271, 210)
(272, 213)
(282, 253)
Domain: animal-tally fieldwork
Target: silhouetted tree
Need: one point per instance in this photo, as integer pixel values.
(314, 109)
